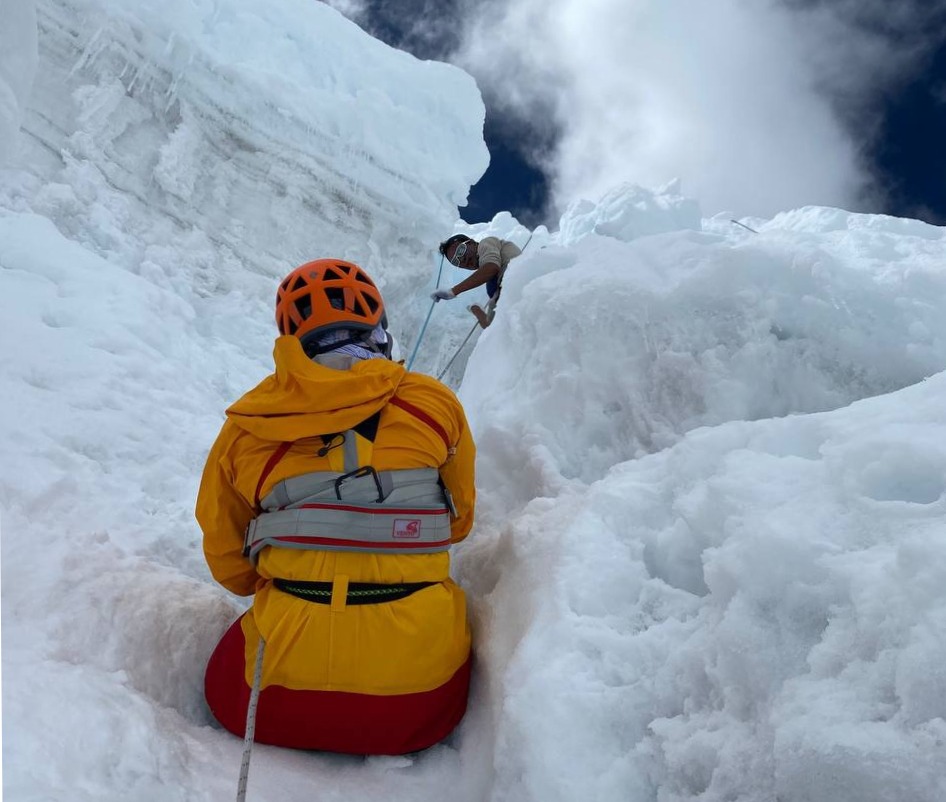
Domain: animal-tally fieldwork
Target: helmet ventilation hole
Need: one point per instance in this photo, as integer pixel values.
(303, 307)
(336, 297)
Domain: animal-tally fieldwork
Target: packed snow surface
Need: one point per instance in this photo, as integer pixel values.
(709, 560)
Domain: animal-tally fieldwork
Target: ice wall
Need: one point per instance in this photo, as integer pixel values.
(17, 67)
(251, 135)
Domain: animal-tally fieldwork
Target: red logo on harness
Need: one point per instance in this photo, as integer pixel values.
(406, 528)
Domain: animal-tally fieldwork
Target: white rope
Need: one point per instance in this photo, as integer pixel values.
(488, 311)
(251, 722)
(457, 352)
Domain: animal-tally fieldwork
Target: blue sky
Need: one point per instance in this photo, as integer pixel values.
(830, 102)
(910, 155)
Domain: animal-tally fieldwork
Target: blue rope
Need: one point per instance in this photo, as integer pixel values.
(430, 311)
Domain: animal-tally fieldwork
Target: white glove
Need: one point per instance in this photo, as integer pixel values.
(442, 295)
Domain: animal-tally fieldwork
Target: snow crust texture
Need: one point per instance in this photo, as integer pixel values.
(709, 561)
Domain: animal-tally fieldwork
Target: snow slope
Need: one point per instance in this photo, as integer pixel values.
(709, 558)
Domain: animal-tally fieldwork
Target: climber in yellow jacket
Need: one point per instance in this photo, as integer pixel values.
(332, 495)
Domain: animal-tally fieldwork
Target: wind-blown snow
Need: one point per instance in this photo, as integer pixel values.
(709, 560)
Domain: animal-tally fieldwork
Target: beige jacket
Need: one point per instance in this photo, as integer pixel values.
(492, 250)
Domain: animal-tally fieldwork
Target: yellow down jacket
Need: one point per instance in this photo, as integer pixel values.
(413, 645)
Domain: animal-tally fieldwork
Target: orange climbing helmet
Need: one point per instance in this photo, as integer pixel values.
(328, 294)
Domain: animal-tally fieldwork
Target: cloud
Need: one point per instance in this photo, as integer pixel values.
(756, 107)
(355, 10)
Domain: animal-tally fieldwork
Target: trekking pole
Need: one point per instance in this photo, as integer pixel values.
(251, 722)
(427, 320)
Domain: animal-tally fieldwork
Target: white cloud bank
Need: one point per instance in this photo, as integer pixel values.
(749, 104)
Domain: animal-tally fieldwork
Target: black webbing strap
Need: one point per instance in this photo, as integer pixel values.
(358, 592)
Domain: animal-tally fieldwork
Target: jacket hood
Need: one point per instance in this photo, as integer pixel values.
(304, 399)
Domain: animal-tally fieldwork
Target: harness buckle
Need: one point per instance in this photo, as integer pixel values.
(448, 497)
(357, 474)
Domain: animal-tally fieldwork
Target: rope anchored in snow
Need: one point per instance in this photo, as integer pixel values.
(732, 220)
(251, 722)
(457, 352)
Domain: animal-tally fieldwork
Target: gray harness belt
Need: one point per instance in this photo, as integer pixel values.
(401, 511)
